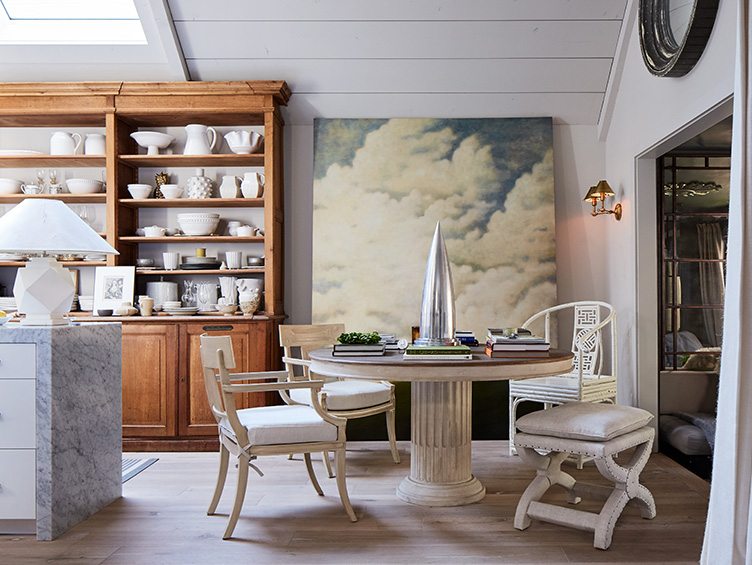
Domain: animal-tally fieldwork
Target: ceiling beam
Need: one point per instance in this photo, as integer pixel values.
(158, 24)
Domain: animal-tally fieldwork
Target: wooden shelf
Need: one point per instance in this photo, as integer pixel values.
(192, 203)
(196, 272)
(214, 160)
(57, 161)
(99, 198)
(192, 239)
(63, 263)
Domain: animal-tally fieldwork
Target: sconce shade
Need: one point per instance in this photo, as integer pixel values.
(592, 194)
(43, 225)
(599, 191)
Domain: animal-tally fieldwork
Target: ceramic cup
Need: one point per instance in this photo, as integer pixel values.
(232, 227)
(171, 260)
(234, 259)
(147, 305)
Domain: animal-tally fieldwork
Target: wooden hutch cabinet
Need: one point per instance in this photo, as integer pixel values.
(164, 404)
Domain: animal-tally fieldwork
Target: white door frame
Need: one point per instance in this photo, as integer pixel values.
(646, 256)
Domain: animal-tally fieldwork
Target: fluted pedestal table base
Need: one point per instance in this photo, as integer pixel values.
(440, 461)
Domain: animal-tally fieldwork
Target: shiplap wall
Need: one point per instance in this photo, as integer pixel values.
(436, 58)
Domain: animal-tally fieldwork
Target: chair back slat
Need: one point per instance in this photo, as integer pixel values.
(586, 317)
(306, 338)
(213, 365)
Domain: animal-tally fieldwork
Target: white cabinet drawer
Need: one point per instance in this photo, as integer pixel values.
(18, 361)
(18, 484)
(18, 421)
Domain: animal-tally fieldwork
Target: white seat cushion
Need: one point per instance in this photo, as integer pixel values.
(585, 421)
(271, 425)
(347, 394)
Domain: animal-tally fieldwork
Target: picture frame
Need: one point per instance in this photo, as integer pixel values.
(112, 287)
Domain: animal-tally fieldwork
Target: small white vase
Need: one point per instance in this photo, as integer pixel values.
(229, 187)
(252, 185)
(199, 187)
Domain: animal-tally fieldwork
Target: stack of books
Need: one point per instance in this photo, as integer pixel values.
(438, 352)
(390, 341)
(519, 343)
(466, 338)
(358, 350)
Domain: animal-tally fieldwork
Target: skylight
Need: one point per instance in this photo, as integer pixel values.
(70, 22)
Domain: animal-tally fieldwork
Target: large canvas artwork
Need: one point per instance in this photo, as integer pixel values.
(380, 186)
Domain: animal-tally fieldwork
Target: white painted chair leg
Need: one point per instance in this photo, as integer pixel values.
(514, 402)
(224, 460)
(312, 474)
(342, 485)
(239, 496)
(327, 464)
(392, 434)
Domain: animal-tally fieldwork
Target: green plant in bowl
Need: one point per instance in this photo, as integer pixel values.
(359, 338)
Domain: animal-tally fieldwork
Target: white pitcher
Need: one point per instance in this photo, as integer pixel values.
(197, 139)
(253, 185)
(62, 143)
(94, 144)
(229, 187)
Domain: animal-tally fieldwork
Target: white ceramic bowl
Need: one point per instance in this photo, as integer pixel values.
(171, 191)
(152, 141)
(140, 191)
(240, 149)
(198, 223)
(84, 186)
(10, 186)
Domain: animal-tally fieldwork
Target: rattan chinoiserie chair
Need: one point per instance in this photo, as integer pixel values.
(587, 382)
(345, 398)
(268, 430)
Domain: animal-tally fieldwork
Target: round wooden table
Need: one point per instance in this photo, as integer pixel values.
(441, 410)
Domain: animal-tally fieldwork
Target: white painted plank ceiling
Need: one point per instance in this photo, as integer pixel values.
(452, 58)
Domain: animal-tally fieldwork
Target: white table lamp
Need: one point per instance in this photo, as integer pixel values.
(42, 227)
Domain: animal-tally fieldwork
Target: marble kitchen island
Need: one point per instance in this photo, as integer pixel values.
(60, 425)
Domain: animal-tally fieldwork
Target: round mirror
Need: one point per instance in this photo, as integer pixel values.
(673, 34)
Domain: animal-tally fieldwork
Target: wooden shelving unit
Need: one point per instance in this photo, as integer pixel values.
(164, 404)
(192, 203)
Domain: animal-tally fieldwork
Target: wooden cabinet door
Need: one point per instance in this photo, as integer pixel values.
(150, 361)
(249, 344)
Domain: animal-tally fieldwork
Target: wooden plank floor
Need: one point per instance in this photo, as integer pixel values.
(161, 518)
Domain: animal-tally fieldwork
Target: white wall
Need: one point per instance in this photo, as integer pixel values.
(646, 112)
(578, 160)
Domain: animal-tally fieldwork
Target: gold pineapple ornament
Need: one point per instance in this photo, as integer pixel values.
(160, 179)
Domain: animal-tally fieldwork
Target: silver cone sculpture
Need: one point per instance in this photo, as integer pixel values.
(437, 315)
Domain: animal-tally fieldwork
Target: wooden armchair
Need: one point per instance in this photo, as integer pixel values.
(345, 398)
(268, 430)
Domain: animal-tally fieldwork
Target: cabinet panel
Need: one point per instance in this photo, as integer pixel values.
(18, 484)
(18, 414)
(249, 343)
(18, 361)
(150, 358)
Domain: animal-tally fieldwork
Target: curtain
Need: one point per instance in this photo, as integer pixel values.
(710, 242)
(728, 533)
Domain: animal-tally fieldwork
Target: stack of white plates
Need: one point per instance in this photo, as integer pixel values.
(7, 303)
(182, 311)
(86, 302)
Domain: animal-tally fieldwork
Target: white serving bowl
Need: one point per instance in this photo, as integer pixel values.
(140, 191)
(84, 186)
(10, 186)
(198, 223)
(152, 141)
(240, 149)
(171, 191)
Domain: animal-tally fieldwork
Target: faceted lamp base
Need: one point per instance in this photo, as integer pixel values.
(44, 292)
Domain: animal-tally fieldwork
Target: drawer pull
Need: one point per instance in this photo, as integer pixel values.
(218, 328)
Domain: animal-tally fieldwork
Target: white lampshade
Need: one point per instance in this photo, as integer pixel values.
(42, 225)
(44, 288)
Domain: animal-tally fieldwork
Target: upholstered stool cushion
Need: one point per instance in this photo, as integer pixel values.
(585, 421)
(347, 394)
(269, 425)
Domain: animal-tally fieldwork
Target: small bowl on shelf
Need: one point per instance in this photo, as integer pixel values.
(198, 224)
(171, 191)
(104, 312)
(227, 310)
(144, 262)
(140, 191)
(84, 186)
(152, 141)
(153, 231)
(10, 186)
(255, 261)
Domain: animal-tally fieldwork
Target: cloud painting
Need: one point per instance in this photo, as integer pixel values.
(380, 186)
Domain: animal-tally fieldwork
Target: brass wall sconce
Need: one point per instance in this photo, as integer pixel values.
(599, 192)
